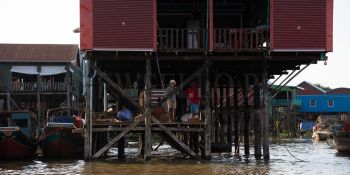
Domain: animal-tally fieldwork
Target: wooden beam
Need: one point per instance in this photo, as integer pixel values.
(173, 136)
(118, 89)
(136, 121)
(148, 120)
(207, 132)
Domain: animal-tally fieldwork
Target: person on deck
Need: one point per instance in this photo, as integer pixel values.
(193, 99)
(171, 101)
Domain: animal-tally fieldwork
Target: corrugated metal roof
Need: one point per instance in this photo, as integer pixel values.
(339, 91)
(38, 52)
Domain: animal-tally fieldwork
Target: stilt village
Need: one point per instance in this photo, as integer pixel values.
(201, 76)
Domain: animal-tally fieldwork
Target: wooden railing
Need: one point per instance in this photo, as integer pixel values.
(225, 39)
(241, 39)
(33, 87)
(182, 39)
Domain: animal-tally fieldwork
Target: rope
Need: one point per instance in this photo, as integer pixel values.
(160, 74)
(293, 155)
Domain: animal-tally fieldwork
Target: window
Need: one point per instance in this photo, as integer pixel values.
(312, 103)
(330, 103)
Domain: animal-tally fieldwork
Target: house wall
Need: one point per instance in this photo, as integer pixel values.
(341, 103)
(6, 76)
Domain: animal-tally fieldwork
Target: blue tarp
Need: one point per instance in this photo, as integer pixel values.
(306, 126)
(124, 115)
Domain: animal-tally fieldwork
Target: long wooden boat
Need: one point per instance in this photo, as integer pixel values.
(18, 134)
(59, 140)
(342, 141)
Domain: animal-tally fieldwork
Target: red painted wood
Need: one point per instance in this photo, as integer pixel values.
(124, 25)
(86, 25)
(329, 25)
(298, 25)
(211, 25)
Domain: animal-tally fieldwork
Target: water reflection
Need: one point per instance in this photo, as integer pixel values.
(296, 156)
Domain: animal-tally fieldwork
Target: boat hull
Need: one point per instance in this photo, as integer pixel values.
(15, 145)
(322, 135)
(60, 142)
(342, 143)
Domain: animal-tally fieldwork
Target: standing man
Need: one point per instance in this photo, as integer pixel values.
(193, 99)
(171, 102)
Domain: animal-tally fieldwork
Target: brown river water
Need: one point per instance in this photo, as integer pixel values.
(288, 156)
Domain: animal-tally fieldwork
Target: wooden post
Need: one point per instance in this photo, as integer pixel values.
(121, 148)
(229, 117)
(266, 152)
(39, 86)
(246, 119)
(221, 116)
(148, 118)
(68, 81)
(257, 123)
(87, 132)
(207, 132)
(235, 108)
(8, 103)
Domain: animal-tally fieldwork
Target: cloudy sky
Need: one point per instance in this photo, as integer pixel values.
(52, 22)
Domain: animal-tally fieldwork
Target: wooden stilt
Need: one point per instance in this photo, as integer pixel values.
(87, 132)
(222, 122)
(207, 135)
(236, 125)
(148, 118)
(246, 120)
(257, 123)
(229, 117)
(121, 148)
(266, 151)
(8, 101)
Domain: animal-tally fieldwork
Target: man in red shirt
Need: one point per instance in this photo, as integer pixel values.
(193, 99)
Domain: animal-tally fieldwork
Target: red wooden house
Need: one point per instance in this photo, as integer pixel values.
(245, 42)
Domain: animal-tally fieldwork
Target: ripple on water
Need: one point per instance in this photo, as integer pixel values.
(304, 157)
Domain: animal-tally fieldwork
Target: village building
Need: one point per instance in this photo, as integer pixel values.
(37, 77)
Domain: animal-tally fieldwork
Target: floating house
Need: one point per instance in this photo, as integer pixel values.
(227, 47)
(37, 77)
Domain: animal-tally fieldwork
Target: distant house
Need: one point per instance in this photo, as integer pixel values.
(316, 101)
(38, 76)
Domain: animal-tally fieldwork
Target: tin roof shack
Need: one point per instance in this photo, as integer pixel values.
(218, 43)
(39, 76)
(322, 102)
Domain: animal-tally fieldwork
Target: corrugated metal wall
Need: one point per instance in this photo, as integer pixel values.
(124, 25)
(299, 25)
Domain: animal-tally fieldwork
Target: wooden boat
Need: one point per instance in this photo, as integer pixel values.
(342, 138)
(323, 130)
(18, 134)
(59, 140)
(342, 141)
